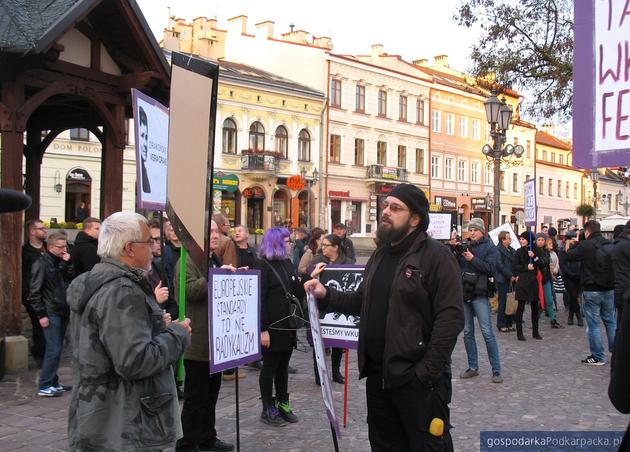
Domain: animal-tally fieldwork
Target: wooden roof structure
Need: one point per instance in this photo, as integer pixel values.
(66, 64)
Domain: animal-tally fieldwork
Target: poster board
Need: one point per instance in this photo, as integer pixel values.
(191, 151)
(320, 359)
(530, 203)
(494, 235)
(340, 330)
(439, 226)
(151, 137)
(233, 318)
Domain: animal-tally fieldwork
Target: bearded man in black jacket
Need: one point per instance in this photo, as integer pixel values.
(411, 308)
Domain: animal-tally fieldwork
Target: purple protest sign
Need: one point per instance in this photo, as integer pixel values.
(601, 85)
(341, 330)
(233, 318)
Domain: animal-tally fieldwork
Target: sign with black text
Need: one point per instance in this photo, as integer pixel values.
(233, 318)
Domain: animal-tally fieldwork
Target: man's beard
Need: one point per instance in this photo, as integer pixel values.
(390, 234)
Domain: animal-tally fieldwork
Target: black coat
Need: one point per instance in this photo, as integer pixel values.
(30, 255)
(50, 278)
(84, 253)
(542, 262)
(275, 306)
(348, 249)
(503, 269)
(526, 285)
(156, 276)
(585, 253)
(621, 264)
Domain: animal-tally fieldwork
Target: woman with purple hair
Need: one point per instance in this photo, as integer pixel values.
(277, 338)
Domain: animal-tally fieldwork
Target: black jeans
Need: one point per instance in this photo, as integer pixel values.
(275, 371)
(201, 391)
(519, 316)
(39, 343)
(399, 418)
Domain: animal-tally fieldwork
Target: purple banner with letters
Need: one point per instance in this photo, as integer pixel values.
(233, 318)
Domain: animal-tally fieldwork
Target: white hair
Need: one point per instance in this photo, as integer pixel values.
(117, 230)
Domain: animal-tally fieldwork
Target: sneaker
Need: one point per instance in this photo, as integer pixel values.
(286, 412)
(50, 391)
(469, 373)
(271, 416)
(215, 445)
(63, 388)
(555, 324)
(592, 361)
(497, 378)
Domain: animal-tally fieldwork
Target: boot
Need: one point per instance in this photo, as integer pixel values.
(570, 321)
(519, 332)
(580, 320)
(535, 333)
(337, 354)
(270, 414)
(286, 410)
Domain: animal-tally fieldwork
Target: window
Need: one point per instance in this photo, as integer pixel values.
(382, 103)
(335, 93)
(559, 194)
(528, 149)
(402, 108)
(126, 132)
(544, 155)
(256, 137)
(419, 111)
(528, 177)
(381, 153)
(515, 183)
(335, 148)
(515, 141)
(304, 146)
(476, 130)
(402, 156)
(541, 185)
(359, 152)
(463, 126)
(356, 215)
(575, 191)
(550, 188)
(448, 169)
(567, 190)
(80, 134)
(435, 166)
(282, 142)
(420, 161)
(229, 136)
(553, 157)
(561, 159)
(436, 120)
(461, 171)
(488, 174)
(474, 172)
(359, 99)
(502, 181)
(450, 124)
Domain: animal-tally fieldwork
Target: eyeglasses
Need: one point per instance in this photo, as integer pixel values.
(40, 229)
(154, 240)
(145, 242)
(393, 207)
(326, 245)
(61, 247)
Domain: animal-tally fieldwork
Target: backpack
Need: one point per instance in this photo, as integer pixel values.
(603, 273)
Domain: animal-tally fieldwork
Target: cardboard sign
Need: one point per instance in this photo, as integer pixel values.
(233, 318)
(151, 135)
(340, 330)
(440, 226)
(530, 202)
(494, 235)
(320, 359)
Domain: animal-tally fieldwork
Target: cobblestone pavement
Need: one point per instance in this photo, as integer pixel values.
(545, 388)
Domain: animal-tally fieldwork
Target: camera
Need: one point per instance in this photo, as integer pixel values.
(460, 247)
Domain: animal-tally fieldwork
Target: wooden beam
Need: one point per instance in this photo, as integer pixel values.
(112, 167)
(33, 171)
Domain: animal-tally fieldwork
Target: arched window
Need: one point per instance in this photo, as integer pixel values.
(304, 146)
(229, 136)
(256, 137)
(282, 142)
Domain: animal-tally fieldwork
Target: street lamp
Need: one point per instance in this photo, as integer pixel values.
(310, 183)
(499, 116)
(594, 175)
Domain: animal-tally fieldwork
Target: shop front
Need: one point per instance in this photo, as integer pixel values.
(254, 197)
(227, 197)
(481, 209)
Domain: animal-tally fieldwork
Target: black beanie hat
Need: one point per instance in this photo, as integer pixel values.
(527, 236)
(415, 199)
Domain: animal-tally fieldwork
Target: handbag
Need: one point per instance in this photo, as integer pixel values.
(511, 303)
(295, 319)
(558, 284)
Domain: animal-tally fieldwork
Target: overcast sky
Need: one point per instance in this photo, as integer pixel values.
(412, 29)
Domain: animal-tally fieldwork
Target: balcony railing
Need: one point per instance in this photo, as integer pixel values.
(259, 161)
(387, 173)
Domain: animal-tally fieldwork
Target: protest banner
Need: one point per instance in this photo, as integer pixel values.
(320, 359)
(340, 330)
(151, 135)
(439, 226)
(494, 235)
(233, 318)
(530, 202)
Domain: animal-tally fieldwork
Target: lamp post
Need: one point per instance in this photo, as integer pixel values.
(594, 175)
(499, 115)
(309, 183)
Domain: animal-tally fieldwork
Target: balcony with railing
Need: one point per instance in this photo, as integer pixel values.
(259, 161)
(386, 173)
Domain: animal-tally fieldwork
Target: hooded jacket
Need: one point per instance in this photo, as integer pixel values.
(124, 395)
(84, 253)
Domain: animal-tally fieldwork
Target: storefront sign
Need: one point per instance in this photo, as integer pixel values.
(254, 192)
(447, 202)
(434, 207)
(79, 174)
(225, 182)
(338, 194)
(383, 189)
(296, 183)
(479, 203)
(390, 173)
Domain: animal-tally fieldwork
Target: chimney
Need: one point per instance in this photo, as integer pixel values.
(441, 60)
(421, 62)
(265, 29)
(199, 26)
(377, 50)
(238, 23)
(323, 41)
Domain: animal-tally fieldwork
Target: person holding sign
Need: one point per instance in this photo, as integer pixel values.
(280, 287)
(411, 308)
(201, 390)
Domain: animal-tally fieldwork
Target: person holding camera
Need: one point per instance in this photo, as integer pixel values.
(477, 261)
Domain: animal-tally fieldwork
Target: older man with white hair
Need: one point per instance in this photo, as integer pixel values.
(124, 396)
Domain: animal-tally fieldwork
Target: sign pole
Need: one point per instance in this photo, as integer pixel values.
(334, 435)
(182, 303)
(238, 429)
(345, 390)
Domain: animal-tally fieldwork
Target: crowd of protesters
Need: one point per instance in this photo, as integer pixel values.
(588, 272)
